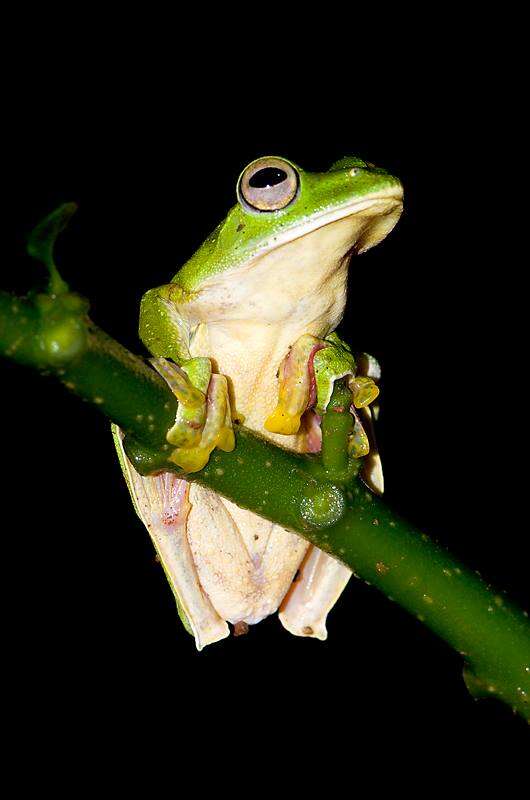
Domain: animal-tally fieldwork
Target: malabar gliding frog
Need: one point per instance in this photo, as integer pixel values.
(246, 328)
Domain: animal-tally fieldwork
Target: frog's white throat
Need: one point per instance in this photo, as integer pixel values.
(298, 276)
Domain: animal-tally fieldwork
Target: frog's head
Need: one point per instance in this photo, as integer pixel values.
(288, 219)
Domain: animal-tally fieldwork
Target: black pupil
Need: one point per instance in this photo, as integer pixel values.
(268, 176)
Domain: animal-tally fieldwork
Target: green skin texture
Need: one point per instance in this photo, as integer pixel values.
(318, 497)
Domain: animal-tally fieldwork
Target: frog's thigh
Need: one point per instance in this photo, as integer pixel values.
(282, 558)
(245, 563)
(223, 563)
(276, 554)
(162, 505)
(320, 584)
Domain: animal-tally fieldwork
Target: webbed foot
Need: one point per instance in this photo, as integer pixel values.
(307, 375)
(203, 421)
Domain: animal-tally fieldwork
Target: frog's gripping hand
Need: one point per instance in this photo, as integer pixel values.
(307, 375)
(203, 419)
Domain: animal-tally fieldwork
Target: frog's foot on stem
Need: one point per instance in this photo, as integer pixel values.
(204, 419)
(307, 375)
(318, 585)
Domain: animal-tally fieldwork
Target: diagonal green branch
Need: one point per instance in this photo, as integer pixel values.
(320, 499)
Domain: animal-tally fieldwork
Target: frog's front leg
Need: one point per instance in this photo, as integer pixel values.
(203, 419)
(307, 375)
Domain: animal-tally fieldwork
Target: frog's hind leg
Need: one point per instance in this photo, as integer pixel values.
(162, 504)
(317, 586)
(245, 563)
(321, 579)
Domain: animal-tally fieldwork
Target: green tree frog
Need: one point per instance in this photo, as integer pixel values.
(245, 330)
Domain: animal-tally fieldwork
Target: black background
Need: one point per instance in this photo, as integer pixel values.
(90, 626)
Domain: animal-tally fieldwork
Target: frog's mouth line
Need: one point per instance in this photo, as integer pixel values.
(373, 218)
(382, 209)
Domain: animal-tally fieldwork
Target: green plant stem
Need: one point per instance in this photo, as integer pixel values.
(336, 427)
(121, 385)
(339, 515)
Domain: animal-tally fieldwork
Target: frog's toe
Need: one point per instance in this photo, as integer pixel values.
(204, 419)
(217, 430)
(359, 444)
(295, 386)
(189, 384)
(281, 421)
(364, 390)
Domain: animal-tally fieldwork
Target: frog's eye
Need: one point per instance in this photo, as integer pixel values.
(268, 184)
